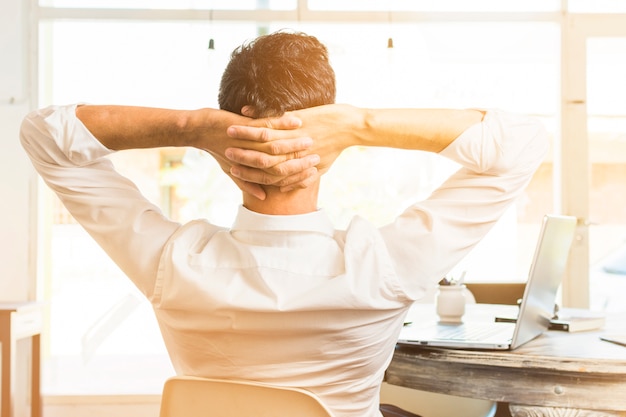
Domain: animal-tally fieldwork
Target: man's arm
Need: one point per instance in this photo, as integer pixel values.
(62, 144)
(130, 127)
(337, 127)
(498, 153)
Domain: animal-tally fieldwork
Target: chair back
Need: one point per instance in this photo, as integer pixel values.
(185, 396)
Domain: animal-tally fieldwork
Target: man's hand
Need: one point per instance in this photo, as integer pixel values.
(292, 158)
(274, 161)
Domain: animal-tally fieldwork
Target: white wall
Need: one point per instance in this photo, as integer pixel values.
(16, 175)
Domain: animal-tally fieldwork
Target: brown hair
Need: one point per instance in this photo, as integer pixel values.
(276, 73)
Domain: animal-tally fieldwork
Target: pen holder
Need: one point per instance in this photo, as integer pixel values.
(451, 303)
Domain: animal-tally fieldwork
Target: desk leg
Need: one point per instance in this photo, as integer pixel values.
(35, 380)
(536, 411)
(7, 383)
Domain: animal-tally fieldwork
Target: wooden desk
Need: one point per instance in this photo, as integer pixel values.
(557, 374)
(18, 321)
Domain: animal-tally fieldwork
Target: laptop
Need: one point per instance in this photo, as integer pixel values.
(536, 308)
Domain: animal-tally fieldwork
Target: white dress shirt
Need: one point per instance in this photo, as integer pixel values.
(287, 300)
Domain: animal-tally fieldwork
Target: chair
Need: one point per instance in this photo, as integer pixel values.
(185, 396)
(497, 292)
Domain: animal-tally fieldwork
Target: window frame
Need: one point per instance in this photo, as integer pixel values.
(573, 153)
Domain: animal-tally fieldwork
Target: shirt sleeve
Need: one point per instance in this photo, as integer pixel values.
(498, 158)
(73, 163)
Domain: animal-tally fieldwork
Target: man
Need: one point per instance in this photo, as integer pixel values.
(283, 297)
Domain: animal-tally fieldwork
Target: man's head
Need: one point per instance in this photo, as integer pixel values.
(269, 76)
(277, 73)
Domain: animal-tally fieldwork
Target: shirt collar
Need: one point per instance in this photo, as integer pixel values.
(316, 221)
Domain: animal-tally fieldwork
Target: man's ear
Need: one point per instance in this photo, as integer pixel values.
(247, 111)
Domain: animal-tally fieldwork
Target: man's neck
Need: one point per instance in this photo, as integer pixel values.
(299, 201)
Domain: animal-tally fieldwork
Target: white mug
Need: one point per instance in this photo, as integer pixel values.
(451, 303)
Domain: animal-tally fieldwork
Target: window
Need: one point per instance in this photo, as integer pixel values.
(98, 320)
(606, 58)
(175, 5)
(437, 5)
(597, 6)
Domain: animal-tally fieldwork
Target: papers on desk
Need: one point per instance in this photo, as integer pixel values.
(577, 320)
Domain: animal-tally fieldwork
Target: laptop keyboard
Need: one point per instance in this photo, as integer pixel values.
(468, 333)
